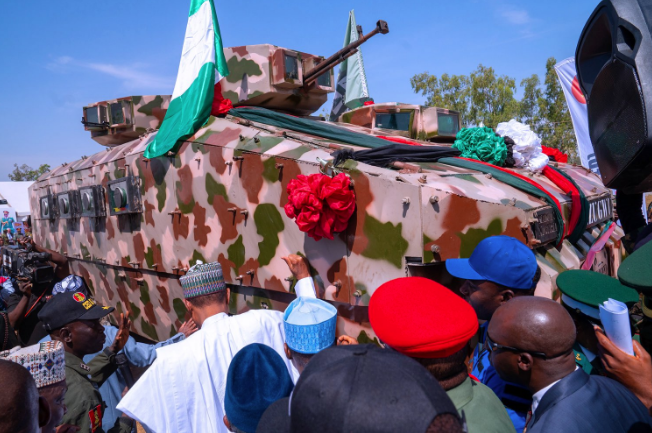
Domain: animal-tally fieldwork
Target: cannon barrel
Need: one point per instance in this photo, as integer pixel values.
(343, 54)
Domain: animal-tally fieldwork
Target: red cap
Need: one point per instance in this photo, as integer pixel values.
(421, 318)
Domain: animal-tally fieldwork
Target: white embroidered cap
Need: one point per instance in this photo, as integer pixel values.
(44, 361)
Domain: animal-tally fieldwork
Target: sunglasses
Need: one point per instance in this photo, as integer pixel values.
(492, 345)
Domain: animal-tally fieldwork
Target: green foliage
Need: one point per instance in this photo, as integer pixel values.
(529, 104)
(481, 97)
(27, 173)
(492, 97)
(448, 91)
(487, 98)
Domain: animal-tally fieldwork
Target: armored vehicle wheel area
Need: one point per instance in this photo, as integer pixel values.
(131, 226)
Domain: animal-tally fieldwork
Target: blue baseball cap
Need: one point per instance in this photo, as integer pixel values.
(500, 259)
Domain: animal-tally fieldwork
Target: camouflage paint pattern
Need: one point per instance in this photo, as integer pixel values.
(258, 76)
(221, 198)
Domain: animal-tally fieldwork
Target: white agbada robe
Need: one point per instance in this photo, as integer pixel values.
(183, 390)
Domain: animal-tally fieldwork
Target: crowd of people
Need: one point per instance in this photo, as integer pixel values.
(487, 357)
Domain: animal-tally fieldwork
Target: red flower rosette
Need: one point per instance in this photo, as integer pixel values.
(319, 204)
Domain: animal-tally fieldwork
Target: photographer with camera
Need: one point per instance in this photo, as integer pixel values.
(26, 262)
(23, 307)
(58, 261)
(10, 320)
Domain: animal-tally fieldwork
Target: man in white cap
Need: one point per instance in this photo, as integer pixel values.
(189, 378)
(46, 364)
(309, 328)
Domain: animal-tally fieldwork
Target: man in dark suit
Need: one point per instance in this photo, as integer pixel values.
(531, 341)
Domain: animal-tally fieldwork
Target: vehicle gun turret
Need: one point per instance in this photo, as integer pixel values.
(282, 79)
(260, 75)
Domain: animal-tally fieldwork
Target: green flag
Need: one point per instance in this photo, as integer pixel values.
(351, 89)
(202, 66)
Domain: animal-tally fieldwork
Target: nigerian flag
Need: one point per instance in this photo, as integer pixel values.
(202, 66)
(351, 88)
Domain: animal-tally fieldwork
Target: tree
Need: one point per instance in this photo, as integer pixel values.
(529, 106)
(26, 173)
(556, 128)
(481, 97)
(449, 91)
(491, 97)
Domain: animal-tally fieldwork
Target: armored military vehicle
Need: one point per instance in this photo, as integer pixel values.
(131, 226)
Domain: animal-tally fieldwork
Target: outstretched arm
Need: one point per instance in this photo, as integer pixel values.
(106, 363)
(143, 354)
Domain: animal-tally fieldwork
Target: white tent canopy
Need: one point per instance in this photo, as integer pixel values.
(17, 196)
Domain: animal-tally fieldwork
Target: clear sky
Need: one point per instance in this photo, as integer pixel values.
(57, 56)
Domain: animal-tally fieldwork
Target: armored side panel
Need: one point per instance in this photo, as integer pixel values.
(221, 198)
(410, 121)
(121, 120)
(272, 77)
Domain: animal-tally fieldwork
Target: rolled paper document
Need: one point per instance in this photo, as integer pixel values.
(615, 320)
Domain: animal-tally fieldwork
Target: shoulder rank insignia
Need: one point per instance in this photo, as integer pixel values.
(84, 366)
(95, 416)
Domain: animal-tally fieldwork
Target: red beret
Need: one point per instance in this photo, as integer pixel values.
(421, 318)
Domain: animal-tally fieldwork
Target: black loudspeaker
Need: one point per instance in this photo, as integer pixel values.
(614, 69)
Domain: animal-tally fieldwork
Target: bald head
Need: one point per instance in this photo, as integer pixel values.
(19, 405)
(535, 324)
(532, 326)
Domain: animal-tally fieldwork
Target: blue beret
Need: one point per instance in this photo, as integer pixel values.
(257, 377)
(309, 325)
